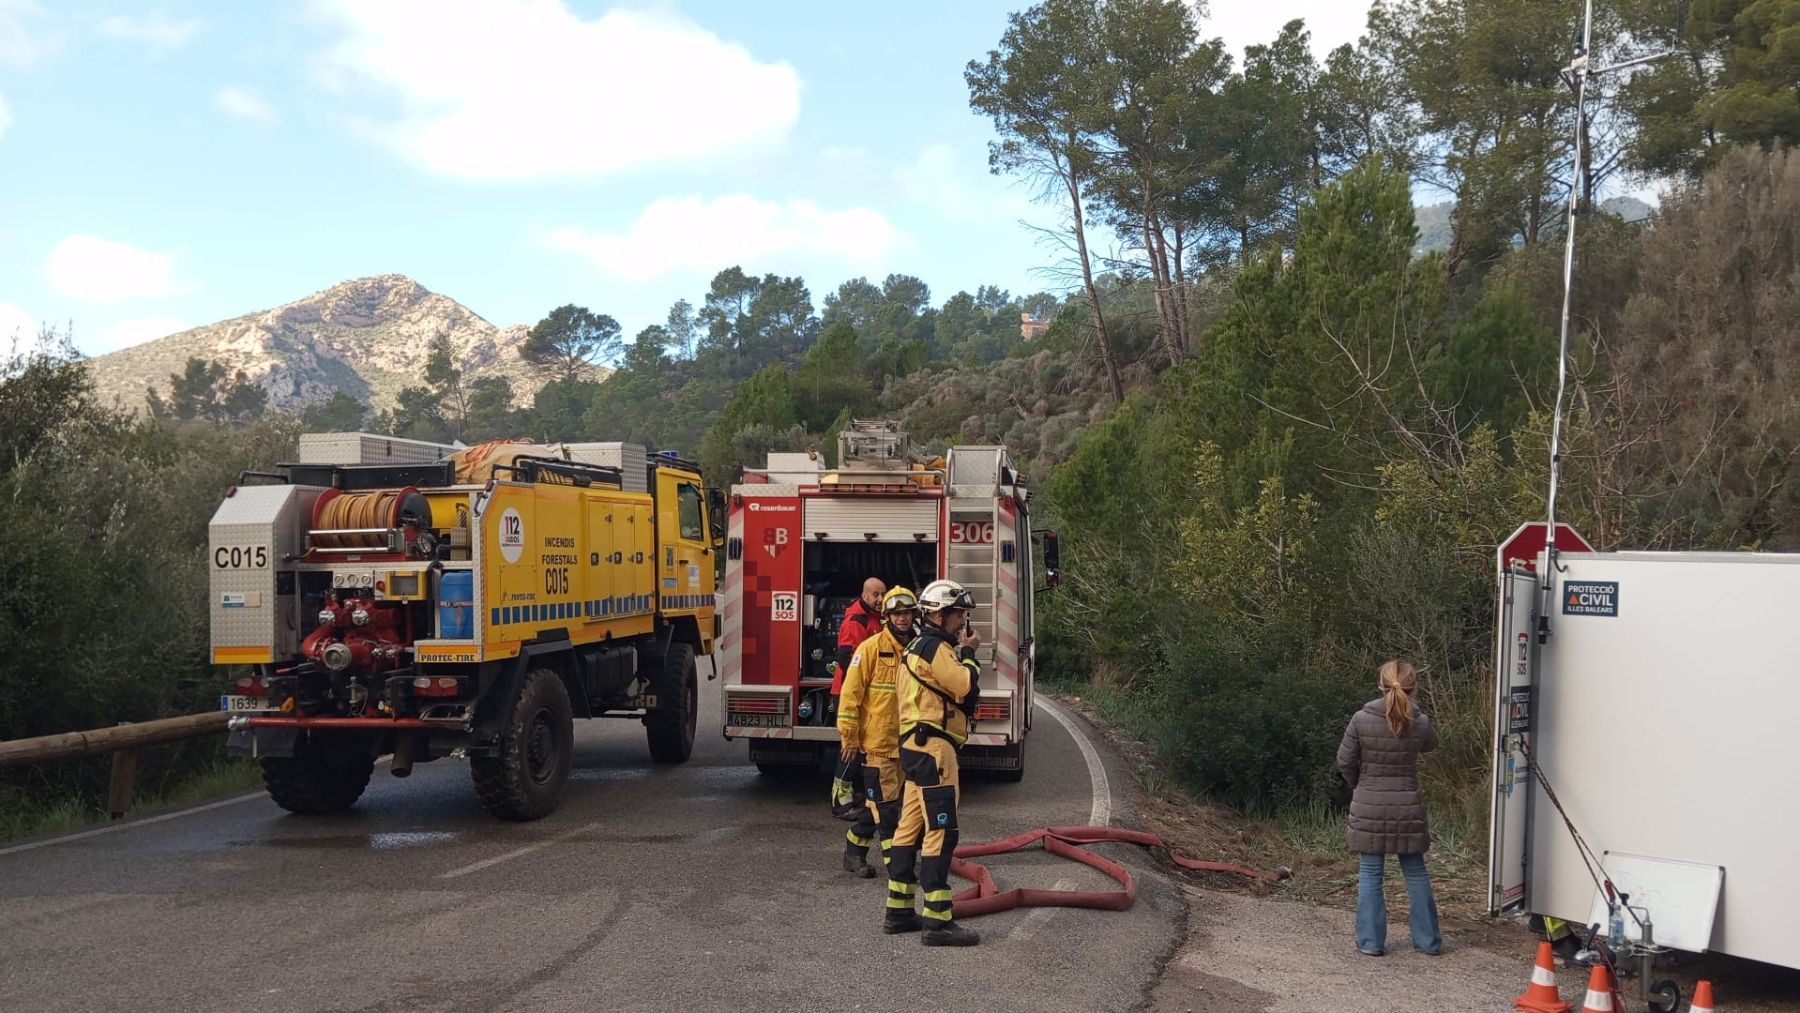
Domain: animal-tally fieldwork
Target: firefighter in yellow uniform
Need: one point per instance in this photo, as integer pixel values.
(938, 691)
(869, 721)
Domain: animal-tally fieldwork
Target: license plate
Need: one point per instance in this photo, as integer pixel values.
(243, 703)
(759, 720)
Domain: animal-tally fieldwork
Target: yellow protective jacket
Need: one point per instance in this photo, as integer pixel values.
(942, 689)
(868, 714)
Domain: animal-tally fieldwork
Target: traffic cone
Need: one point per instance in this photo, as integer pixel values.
(1541, 995)
(1703, 1001)
(1599, 993)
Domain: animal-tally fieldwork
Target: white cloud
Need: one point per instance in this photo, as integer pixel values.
(848, 155)
(20, 44)
(15, 325)
(526, 89)
(943, 178)
(688, 232)
(126, 333)
(1331, 23)
(5, 116)
(156, 29)
(244, 103)
(100, 270)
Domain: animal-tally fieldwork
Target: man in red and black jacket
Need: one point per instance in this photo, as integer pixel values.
(862, 618)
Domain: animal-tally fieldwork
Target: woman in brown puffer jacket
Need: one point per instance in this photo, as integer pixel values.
(1380, 758)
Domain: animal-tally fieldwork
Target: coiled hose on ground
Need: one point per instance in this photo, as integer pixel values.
(986, 897)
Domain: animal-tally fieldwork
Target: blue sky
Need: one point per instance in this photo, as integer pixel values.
(169, 165)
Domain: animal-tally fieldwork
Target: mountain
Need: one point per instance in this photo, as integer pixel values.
(1433, 221)
(368, 338)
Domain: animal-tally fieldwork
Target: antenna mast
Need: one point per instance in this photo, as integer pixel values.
(1577, 73)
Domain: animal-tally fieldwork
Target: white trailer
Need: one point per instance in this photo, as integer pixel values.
(1659, 695)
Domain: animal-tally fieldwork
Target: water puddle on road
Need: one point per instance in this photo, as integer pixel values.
(608, 774)
(392, 840)
(410, 839)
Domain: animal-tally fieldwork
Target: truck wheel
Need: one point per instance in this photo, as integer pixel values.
(525, 781)
(670, 727)
(326, 774)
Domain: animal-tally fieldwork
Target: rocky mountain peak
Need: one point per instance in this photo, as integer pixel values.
(368, 337)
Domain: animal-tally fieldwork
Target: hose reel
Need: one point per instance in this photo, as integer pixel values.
(367, 521)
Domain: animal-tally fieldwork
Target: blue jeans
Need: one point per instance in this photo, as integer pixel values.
(1371, 905)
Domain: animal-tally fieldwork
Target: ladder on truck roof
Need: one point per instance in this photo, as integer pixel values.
(972, 555)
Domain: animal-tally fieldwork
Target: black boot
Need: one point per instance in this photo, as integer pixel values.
(949, 934)
(856, 862)
(899, 921)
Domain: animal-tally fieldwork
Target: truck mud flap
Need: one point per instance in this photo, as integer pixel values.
(494, 709)
(989, 758)
(789, 753)
(259, 742)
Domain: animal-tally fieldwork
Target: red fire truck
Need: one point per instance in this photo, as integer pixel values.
(802, 539)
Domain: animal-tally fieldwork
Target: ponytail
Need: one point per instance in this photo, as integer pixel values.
(1399, 679)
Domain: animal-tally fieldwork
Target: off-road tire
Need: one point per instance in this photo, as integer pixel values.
(326, 774)
(670, 727)
(525, 781)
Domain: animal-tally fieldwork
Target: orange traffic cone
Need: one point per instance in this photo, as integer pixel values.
(1702, 998)
(1541, 995)
(1599, 993)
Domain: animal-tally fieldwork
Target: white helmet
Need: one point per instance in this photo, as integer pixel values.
(944, 594)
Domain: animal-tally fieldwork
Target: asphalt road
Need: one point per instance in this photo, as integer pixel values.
(703, 886)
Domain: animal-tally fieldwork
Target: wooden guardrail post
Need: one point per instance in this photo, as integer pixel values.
(123, 783)
(123, 741)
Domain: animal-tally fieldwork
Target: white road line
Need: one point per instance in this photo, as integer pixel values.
(520, 853)
(1034, 922)
(1098, 816)
(1101, 814)
(114, 827)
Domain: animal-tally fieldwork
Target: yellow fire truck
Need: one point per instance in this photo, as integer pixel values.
(468, 605)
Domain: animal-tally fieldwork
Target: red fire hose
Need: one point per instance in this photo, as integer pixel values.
(985, 897)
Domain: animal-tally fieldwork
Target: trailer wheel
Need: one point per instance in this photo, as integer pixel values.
(326, 774)
(1665, 996)
(525, 781)
(670, 727)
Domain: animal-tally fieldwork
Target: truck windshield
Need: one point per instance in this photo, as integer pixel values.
(692, 528)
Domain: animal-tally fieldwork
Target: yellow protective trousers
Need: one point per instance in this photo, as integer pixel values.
(926, 839)
(880, 816)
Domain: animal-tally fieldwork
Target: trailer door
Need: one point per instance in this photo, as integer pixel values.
(1515, 665)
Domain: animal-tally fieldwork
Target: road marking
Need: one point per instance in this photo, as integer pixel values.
(487, 863)
(1101, 814)
(1098, 816)
(1034, 922)
(146, 821)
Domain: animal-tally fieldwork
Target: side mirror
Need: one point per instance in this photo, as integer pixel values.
(1052, 559)
(715, 514)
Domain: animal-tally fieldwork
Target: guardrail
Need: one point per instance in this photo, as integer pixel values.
(122, 741)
